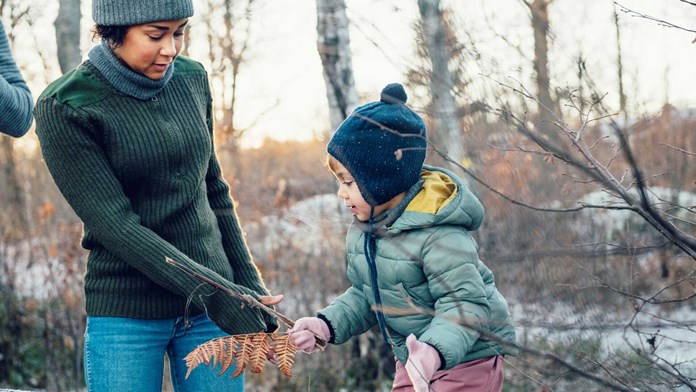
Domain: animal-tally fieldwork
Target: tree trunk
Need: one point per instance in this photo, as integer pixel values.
(540, 25)
(333, 45)
(441, 82)
(619, 66)
(547, 113)
(67, 26)
(229, 69)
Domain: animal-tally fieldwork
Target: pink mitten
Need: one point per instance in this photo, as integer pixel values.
(423, 362)
(303, 333)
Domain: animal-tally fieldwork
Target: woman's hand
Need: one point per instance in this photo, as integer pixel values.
(271, 300)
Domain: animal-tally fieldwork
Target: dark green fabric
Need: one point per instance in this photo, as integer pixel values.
(429, 260)
(144, 179)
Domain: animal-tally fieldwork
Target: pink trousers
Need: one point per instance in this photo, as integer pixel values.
(481, 375)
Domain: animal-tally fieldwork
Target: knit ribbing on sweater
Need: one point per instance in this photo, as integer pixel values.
(124, 79)
(144, 179)
(16, 102)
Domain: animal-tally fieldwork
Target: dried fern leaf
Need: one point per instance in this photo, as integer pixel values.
(285, 350)
(227, 359)
(243, 353)
(260, 346)
(199, 355)
(193, 359)
(208, 349)
(250, 350)
(215, 351)
(219, 351)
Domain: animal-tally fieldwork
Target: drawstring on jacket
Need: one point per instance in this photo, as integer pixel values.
(370, 254)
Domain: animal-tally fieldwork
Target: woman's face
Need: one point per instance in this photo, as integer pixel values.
(150, 49)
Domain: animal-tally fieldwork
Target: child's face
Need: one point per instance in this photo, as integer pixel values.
(350, 193)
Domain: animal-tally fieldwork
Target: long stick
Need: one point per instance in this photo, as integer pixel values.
(245, 298)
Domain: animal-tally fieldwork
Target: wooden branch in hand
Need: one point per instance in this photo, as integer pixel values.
(246, 299)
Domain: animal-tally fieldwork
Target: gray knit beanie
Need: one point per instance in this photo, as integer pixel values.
(133, 12)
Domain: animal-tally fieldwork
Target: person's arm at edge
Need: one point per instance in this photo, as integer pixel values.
(15, 98)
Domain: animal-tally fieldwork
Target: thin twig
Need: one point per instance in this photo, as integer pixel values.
(678, 149)
(652, 18)
(245, 298)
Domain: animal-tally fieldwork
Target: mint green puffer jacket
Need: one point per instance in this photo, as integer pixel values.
(425, 255)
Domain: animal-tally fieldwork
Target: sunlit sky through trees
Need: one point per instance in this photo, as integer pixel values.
(281, 91)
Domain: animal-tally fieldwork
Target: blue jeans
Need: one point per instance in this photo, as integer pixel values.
(125, 354)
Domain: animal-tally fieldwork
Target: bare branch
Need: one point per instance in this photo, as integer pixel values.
(678, 149)
(682, 240)
(659, 21)
(245, 298)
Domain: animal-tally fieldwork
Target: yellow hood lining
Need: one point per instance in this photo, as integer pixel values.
(437, 191)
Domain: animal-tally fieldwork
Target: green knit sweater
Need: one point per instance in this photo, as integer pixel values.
(143, 177)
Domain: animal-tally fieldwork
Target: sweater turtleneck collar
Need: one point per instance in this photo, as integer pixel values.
(123, 78)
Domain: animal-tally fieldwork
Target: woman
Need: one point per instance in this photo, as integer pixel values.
(128, 139)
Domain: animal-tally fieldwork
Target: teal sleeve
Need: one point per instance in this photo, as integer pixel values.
(350, 314)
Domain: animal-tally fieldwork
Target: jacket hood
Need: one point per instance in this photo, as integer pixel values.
(443, 199)
(439, 198)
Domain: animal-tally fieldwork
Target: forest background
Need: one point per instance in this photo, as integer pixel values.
(574, 122)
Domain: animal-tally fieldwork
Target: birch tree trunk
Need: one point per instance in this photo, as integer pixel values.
(67, 27)
(540, 24)
(441, 82)
(619, 66)
(547, 105)
(333, 45)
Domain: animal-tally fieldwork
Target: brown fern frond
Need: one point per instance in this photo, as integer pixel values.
(200, 355)
(243, 352)
(215, 350)
(227, 359)
(193, 359)
(250, 350)
(285, 350)
(218, 348)
(260, 351)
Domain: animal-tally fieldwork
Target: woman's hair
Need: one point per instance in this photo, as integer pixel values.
(114, 35)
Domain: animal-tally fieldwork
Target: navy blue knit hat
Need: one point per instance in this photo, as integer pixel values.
(382, 144)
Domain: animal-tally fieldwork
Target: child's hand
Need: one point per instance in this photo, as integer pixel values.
(423, 362)
(304, 330)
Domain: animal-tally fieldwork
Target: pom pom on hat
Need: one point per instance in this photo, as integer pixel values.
(382, 144)
(394, 93)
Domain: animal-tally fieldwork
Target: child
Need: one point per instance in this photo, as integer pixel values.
(409, 244)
